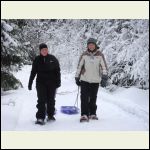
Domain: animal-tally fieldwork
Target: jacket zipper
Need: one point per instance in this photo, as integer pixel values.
(44, 59)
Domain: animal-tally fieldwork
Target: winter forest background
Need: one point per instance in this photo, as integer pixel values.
(125, 44)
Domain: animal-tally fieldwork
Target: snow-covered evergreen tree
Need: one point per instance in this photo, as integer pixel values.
(11, 59)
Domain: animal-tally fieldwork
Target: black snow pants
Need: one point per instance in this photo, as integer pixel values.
(46, 100)
(88, 98)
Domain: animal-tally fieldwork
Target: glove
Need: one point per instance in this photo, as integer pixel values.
(78, 83)
(104, 80)
(29, 87)
(58, 85)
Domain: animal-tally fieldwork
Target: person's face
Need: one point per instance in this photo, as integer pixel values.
(44, 51)
(91, 46)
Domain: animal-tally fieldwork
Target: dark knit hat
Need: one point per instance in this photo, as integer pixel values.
(42, 45)
(94, 41)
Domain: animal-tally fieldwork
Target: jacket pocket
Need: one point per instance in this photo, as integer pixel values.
(83, 71)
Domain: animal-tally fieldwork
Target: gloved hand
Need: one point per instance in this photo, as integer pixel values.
(29, 87)
(78, 83)
(104, 80)
(58, 85)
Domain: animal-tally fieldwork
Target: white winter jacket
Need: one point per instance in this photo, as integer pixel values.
(91, 66)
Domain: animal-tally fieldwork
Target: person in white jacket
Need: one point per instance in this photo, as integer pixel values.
(91, 71)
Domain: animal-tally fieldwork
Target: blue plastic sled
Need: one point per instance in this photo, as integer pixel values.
(70, 110)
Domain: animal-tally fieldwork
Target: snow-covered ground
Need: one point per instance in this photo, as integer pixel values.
(121, 110)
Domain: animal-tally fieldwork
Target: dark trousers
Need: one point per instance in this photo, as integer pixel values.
(46, 100)
(88, 98)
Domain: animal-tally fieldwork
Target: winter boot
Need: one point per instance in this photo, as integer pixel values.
(51, 118)
(40, 122)
(93, 117)
(84, 118)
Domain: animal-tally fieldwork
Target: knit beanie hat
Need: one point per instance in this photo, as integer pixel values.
(94, 41)
(42, 45)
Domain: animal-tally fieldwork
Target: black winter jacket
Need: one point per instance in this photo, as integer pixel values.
(47, 69)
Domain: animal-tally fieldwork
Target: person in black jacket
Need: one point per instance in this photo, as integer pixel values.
(47, 69)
